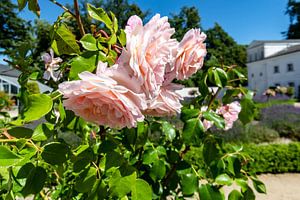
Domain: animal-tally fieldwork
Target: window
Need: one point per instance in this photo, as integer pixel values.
(291, 84)
(260, 74)
(261, 54)
(255, 57)
(290, 67)
(13, 89)
(252, 75)
(276, 69)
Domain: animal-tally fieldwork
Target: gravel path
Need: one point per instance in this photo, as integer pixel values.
(279, 187)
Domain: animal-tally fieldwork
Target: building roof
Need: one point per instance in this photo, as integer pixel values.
(256, 43)
(11, 75)
(288, 50)
(9, 71)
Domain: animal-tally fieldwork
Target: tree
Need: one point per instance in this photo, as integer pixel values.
(293, 10)
(13, 29)
(187, 18)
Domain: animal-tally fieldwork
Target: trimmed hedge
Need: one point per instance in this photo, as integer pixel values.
(270, 158)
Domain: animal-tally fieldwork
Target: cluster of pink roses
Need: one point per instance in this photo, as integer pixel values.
(140, 83)
(230, 113)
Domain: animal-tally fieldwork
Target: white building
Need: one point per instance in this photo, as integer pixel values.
(273, 63)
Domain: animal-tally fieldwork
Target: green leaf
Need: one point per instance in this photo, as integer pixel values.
(192, 130)
(187, 114)
(100, 15)
(120, 186)
(86, 180)
(211, 116)
(22, 4)
(112, 40)
(248, 109)
(55, 153)
(235, 195)
(8, 158)
(248, 194)
(168, 130)
(189, 183)
(34, 7)
(223, 179)
(64, 41)
(150, 156)
(158, 170)
(217, 76)
(122, 37)
(25, 170)
(35, 181)
(20, 132)
(39, 105)
(115, 22)
(42, 132)
(222, 76)
(208, 192)
(85, 62)
(210, 152)
(89, 42)
(259, 186)
(141, 190)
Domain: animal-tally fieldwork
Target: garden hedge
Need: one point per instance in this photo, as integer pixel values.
(268, 158)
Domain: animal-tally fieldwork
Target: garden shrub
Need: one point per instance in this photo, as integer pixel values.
(270, 158)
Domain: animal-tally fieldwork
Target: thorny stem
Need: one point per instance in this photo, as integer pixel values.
(63, 7)
(78, 18)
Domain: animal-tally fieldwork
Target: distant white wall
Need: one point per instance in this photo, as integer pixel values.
(261, 74)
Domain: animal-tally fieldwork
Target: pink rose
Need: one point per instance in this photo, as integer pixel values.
(167, 103)
(148, 50)
(100, 99)
(190, 55)
(230, 112)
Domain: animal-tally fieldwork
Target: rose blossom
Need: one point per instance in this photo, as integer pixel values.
(190, 55)
(100, 99)
(51, 66)
(230, 112)
(148, 50)
(167, 103)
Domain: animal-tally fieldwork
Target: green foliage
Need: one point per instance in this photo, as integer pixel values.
(269, 158)
(293, 10)
(49, 151)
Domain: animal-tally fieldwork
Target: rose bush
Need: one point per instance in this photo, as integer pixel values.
(106, 130)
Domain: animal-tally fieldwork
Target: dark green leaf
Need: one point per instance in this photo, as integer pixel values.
(86, 180)
(192, 130)
(158, 170)
(25, 170)
(248, 109)
(187, 114)
(235, 195)
(208, 192)
(259, 186)
(223, 179)
(35, 181)
(22, 4)
(20, 132)
(89, 42)
(34, 7)
(55, 153)
(8, 158)
(189, 183)
(210, 152)
(218, 121)
(248, 194)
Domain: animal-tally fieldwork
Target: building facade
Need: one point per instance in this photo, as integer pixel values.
(273, 63)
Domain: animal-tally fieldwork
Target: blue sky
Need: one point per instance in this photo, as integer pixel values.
(244, 20)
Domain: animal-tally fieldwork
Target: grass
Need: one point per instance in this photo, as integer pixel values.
(276, 102)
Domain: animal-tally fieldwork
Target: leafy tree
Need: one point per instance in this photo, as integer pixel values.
(293, 10)
(187, 18)
(13, 29)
